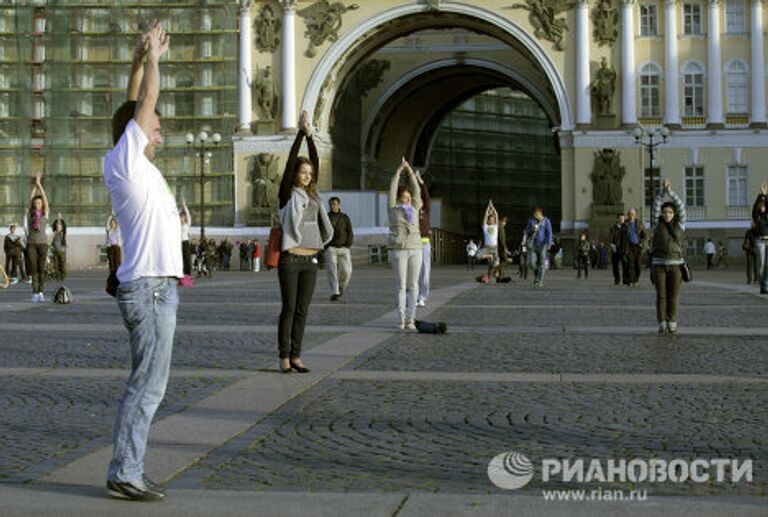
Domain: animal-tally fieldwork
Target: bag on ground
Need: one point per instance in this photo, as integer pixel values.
(62, 296)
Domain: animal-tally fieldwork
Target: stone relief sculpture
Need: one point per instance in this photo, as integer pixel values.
(267, 30)
(605, 19)
(543, 15)
(603, 87)
(372, 74)
(265, 178)
(266, 94)
(607, 175)
(323, 21)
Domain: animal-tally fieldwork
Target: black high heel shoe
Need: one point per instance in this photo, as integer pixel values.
(300, 369)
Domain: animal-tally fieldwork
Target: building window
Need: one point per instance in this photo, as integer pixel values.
(737, 87)
(648, 20)
(693, 83)
(691, 19)
(694, 186)
(737, 185)
(734, 16)
(650, 96)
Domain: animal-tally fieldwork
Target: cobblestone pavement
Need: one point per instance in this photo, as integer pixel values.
(419, 433)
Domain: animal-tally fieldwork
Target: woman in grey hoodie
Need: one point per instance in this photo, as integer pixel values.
(405, 248)
(306, 231)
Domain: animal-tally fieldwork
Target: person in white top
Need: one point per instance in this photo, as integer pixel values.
(709, 251)
(490, 249)
(471, 254)
(149, 223)
(114, 244)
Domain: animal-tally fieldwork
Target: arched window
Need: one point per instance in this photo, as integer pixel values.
(737, 88)
(650, 100)
(693, 84)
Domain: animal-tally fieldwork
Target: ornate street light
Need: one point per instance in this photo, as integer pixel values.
(646, 139)
(199, 149)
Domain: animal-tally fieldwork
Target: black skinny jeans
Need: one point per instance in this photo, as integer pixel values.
(114, 257)
(38, 255)
(297, 275)
(186, 257)
(582, 262)
(13, 265)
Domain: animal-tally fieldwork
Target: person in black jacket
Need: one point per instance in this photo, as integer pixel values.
(618, 234)
(337, 253)
(760, 224)
(12, 246)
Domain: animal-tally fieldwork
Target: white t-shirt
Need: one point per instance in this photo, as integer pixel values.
(709, 248)
(145, 208)
(491, 233)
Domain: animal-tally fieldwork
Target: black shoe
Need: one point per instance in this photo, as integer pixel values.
(300, 369)
(335, 297)
(134, 491)
(286, 370)
(763, 291)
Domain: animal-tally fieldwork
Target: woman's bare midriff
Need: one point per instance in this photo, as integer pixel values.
(302, 251)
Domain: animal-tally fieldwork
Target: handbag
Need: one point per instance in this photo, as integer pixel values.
(273, 247)
(685, 272)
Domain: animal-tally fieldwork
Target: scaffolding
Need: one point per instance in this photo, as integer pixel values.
(64, 69)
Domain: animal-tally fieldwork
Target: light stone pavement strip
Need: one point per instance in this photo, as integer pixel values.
(397, 423)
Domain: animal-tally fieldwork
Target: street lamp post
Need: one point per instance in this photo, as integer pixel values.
(639, 133)
(199, 150)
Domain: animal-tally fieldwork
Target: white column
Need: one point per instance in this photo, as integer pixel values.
(714, 68)
(290, 119)
(583, 106)
(758, 66)
(671, 82)
(628, 87)
(244, 107)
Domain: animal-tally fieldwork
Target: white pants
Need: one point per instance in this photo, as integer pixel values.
(407, 265)
(256, 264)
(338, 263)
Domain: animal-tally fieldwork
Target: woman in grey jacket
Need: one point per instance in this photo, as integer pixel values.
(668, 255)
(405, 248)
(306, 231)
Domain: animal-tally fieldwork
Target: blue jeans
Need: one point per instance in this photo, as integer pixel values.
(537, 254)
(148, 306)
(761, 253)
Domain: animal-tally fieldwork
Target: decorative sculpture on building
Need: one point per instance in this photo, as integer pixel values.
(372, 74)
(603, 87)
(323, 21)
(265, 178)
(607, 174)
(605, 19)
(543, 16)
(267, 30)
(266, 94)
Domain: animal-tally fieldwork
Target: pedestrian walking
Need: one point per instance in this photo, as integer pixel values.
(12, 247)
(152, 264)
(306, 231)
(668, 252)
(504, 254)
(425, 229)
(633, 247)
(522, 266)
(114, 245)
(583, 247)
(37, 240)
(748, 245)
(710, 250)
(59, 248)
(722, 255)
(539, 239)
(225, 253)
(186, 245)
(337, 254)
(760, 222)
(256, 259)
(405, 247)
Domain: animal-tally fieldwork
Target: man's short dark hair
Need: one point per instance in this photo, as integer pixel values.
(120, 119)
(334, 198)
(620, 214)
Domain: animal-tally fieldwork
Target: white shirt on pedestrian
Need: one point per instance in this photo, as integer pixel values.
(145, 208)
(471, 249)
(709, 248)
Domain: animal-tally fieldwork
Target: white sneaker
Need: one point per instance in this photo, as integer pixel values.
(40, 297)
(401, 325)
(672, 326)
(35, 299)
(421, 303)
(663, 327)
(410, 325)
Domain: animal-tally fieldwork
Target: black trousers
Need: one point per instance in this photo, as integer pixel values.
(38, 256)
(582, 262)
(12, 265)
(633, 264)
(710, 256)
(60, 264)
(297, 275)
(114, 257)
(186, 257)
(617, 261)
